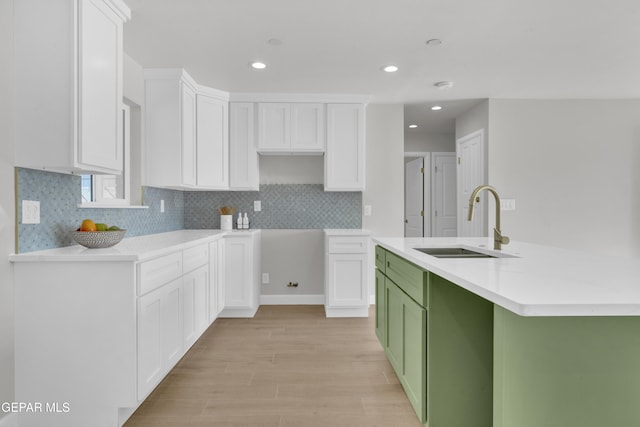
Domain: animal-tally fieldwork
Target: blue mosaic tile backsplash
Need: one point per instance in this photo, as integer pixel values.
(284, 206)
(59, 196)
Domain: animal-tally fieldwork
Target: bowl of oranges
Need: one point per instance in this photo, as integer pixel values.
(97, 235)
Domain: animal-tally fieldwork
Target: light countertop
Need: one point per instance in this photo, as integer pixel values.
(346, 232)
(136, 248)
(536, 280)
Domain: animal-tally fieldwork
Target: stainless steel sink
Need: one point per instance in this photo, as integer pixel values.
(454, 252)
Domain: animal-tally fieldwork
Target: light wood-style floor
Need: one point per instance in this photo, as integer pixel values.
(287, 367)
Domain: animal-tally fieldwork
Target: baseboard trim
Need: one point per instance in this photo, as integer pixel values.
(347, 312)
(10, 420)
(291, 299)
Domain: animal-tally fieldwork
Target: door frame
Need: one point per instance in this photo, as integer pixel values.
(426, 189)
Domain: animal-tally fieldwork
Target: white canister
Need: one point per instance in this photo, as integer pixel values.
(226, 222)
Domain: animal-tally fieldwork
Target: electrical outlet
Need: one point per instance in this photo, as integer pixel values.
(265, 278)
(161, 205)
(30, 212)
(367, 210)
(257, 206)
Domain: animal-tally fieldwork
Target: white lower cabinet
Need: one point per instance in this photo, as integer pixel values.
(160, 342)
(347, 273)
(113, 325)
(242, 274)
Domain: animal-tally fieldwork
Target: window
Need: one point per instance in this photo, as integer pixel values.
(112, 190)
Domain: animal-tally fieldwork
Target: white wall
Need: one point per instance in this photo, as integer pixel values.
(7, 203)
(293, 256)
(573, 167)
(472, 120)
(385, 170)
(429, 142)
(291, 169)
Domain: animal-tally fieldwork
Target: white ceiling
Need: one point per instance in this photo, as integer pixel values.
(490, 49)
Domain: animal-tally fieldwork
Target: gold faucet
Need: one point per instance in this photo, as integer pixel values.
(498, 238)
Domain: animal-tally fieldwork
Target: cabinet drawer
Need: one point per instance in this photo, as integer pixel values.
(381, 258)
(156, 272)
(410, 278)
(348, 244)
(193, 258)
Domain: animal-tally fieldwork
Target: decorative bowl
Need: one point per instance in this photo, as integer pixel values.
(98, 239)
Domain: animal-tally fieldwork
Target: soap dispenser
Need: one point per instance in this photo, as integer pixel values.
(239, 222)
(245, 221)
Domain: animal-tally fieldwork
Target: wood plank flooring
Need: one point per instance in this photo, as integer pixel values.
(287, 367)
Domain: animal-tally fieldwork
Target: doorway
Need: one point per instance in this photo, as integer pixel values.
(430, 194)
(471, 173)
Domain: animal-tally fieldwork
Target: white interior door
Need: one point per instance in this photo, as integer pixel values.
(413, 198)
(444, 195)
(471, 173)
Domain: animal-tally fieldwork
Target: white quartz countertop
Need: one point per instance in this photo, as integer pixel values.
(535, 280)
(130, 248)
(346, 232)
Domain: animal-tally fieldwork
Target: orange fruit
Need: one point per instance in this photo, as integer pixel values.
(88, 225)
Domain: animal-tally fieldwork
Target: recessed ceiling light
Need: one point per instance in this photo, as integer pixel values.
(390, 69)
(434, 42)
(444, 85)
(413, 126)
(258, 65)
(436, 108)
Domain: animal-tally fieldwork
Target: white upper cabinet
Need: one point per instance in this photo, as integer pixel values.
(68, 85)
(344, 163)
(243, 158)
(291, 128)
(186, 132)
(212, 160)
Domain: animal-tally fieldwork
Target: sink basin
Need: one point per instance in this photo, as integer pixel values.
(453, 253)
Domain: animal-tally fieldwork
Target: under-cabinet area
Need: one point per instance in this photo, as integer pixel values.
(100, 328)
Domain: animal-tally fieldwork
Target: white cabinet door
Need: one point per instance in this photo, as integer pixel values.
(195, 304)
(243, 157)
(307, 128)
(345, 155)
(291, 128)
(347, 280)
(212, 143)
(242, 261)
(172, 346)
(216, 279)
(100, 60)
(150, 354)
(159, 334)
(188, 102)
(274, 126)
(68, 75)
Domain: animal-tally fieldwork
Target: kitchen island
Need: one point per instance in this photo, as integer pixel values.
(537, 336)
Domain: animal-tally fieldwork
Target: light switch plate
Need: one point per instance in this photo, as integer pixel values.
(257, 206)
(508, 204)
(161, 206)
(30, 212)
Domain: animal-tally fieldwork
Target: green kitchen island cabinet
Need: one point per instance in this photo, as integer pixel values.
(503, 341)
(441, 356)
